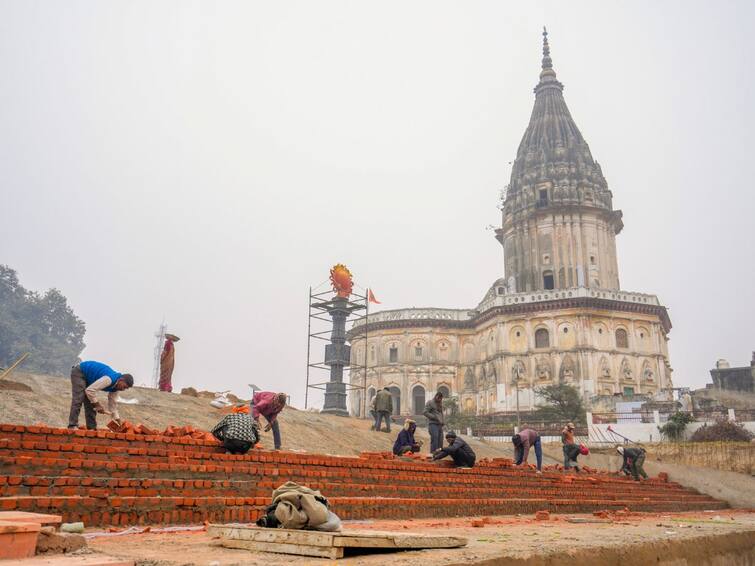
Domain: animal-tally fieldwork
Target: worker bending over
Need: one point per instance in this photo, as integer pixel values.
(525, 439)
(269, 404)
(87, 378)
(238, 432)
(405, 440)
(634, 460)
(461, 453)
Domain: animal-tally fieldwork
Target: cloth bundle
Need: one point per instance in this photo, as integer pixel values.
(298, 507)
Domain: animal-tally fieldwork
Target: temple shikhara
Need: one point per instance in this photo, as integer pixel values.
(558, 314)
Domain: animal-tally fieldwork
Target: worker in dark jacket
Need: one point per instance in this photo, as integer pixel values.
(238, 432)
(434, 414)
(383, 408)
(405, 441)
(462, 454)
(525, 439)
(637, 457)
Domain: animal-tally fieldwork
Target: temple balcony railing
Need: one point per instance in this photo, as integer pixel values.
(527, 297)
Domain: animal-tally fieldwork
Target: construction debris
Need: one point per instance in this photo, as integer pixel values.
(172, 431)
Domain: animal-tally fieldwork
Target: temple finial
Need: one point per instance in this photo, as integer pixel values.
(547, 62)
(547, 74)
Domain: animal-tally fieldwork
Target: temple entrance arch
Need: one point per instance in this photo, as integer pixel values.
(418, 399)
(396, 395)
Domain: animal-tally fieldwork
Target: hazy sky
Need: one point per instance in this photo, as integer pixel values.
(207, 161)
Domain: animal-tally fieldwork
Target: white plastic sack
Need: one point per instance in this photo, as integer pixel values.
(221, 400)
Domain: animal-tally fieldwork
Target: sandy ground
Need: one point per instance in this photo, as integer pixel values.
(503, 537)
(50, 399)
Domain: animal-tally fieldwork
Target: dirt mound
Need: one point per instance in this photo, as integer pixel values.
(47, 401)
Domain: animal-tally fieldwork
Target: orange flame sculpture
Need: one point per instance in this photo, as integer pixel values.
(340, 278)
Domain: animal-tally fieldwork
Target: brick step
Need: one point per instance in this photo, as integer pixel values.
(104, 478)
(129, 455)
(105, 438)
(118, 448)
(91, 468)
(431, 473)
(152, 510)
(103, 487)
(424, 492)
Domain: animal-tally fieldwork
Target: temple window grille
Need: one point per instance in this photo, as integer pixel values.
(548, 280)
(621, 338)
(542, 339)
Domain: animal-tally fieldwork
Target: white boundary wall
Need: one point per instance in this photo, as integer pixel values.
(642, 432)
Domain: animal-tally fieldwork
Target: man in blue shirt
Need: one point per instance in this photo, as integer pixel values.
(86, 379)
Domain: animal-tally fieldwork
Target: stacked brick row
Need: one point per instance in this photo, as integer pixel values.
(106, 478)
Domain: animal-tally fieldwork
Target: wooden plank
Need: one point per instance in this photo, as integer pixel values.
(284, 548)
(294, 536)
(343, 539)
(399, 541)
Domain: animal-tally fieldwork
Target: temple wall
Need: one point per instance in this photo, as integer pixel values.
(481, 366)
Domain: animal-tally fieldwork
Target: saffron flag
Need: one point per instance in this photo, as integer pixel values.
(371, 297)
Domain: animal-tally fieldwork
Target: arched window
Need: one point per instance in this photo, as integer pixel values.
(621, 338)
(396, 395)
(393, 354)
(443, 390)
(548, 280)
(418, 398)
(542, 339)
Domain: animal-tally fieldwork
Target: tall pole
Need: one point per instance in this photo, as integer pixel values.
(366, 345)
(309, 341)
(518, 423)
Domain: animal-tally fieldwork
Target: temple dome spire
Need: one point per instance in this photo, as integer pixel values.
(558, 222)
(547, 75)
(553, 151)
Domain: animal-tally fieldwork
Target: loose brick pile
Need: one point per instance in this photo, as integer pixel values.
(106, 478)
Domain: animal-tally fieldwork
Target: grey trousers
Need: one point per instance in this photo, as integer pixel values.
(379, 421)
(436, 436)
(79, 397)
(274, 425)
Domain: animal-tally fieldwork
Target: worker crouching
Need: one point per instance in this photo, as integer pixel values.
(405, 441)
(461, 452)
(238, 432)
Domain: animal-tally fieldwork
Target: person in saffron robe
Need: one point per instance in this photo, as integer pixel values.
(168, 362)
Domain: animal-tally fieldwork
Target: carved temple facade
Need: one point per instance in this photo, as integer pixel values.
(557, 316)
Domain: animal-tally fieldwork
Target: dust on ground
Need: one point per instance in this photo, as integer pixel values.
(49, 401)
(511, 538)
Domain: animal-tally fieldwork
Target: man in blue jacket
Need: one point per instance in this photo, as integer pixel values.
(86, 379)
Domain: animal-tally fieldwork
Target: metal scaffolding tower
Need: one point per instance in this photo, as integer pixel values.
(328, 316)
